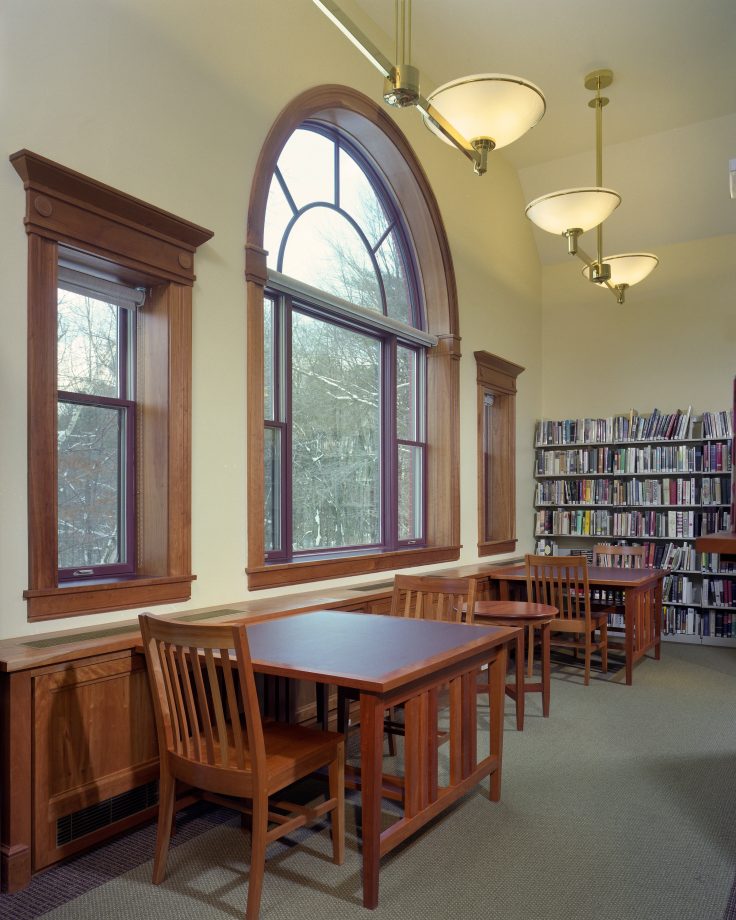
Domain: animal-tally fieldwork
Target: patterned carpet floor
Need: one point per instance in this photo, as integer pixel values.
(617, 807)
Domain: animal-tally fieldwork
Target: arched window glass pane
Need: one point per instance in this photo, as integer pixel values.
(307, 165)
(336, 443)
(359, 200)
(393, 273)
(325, 250)
(278, 215)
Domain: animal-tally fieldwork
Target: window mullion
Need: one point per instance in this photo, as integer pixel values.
(389, 447)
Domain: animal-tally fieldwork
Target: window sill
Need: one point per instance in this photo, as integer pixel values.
(96, 596)
(496, 547)
(295, 573)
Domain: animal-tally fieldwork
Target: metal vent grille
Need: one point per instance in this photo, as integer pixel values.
(194, 617)
(86, 820)
(79, 637)
(374, 587)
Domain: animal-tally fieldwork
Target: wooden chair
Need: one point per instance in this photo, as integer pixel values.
(426, 597)
(211, 737)
(430, 597)
(620, 557)
(562, 582)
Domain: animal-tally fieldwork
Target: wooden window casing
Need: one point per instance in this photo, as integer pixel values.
(496, 453)
(90, 226)
(375, 134)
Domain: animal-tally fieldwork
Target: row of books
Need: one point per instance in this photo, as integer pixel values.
(574, 492)
(718, 424)
(653, 458)
(719, 591)
(687, 621)
(678, 557)
(682, 557)
(635, 523)
(671, 491)
(680, 589)
(676, 524)
(582, 460)
(673, 458)
(579, 523)
(673, 426)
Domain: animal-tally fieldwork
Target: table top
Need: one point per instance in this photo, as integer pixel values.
(365, 651)
(513, 610)
(597, 575)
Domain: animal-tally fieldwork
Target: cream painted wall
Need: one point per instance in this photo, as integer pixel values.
(672, 344)
(170, 101)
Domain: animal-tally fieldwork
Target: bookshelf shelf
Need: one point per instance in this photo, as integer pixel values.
(681, 456)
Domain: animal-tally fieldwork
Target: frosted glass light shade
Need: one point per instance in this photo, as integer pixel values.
(573, 208)
(488, 105)
(629, 267)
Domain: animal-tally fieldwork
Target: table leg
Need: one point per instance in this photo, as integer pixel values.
(545, 628)
(630, 605)
(657, 613)
(520, 681)
(498, 695)
(371, 774)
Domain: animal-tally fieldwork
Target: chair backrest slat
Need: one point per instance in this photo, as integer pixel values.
(204, 693)
(202, 707)
(228, 664)
(562, 582)
(432, 597)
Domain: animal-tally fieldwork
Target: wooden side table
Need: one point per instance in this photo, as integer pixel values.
(534, 616)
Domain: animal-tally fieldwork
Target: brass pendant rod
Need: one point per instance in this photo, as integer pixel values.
(599, 161)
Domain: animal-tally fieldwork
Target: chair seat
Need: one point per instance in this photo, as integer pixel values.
(292, 752)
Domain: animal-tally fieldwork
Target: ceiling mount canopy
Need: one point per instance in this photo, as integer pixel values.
(475, 114)
(572, 211)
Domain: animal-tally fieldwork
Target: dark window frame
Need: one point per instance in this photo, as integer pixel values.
(284, 307)
(125, 403)
(388, 151)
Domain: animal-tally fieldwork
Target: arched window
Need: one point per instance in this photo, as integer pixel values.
(339, 332)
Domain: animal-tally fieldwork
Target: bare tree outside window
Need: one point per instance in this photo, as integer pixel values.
(92, 420)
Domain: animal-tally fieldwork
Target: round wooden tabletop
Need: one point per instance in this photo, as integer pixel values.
(514, 610)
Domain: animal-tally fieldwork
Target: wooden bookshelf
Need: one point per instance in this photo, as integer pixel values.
(659, 480)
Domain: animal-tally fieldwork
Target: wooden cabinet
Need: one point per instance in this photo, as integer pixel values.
(94, 740)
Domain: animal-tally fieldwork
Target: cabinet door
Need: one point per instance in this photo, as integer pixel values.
(95, 753)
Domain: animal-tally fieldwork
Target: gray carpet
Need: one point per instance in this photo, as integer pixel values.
(617, 807)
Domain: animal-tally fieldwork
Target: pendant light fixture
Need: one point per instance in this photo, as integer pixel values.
(475, 114)
(570, 212)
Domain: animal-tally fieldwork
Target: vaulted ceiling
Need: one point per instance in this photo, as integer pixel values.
(670, 128)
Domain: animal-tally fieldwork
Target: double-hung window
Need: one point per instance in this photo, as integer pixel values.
(345, 440)
(96, 426)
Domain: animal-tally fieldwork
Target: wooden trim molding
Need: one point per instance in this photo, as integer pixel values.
(496, 453)
(372, 130)
(73, 220)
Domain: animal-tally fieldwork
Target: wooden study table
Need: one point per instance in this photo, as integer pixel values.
(392, 661)
(642, 589)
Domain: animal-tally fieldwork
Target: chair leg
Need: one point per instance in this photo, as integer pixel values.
(530, 652)
(588, 651)
(604, 645)
(166, 794)
(337, 792)
(257, 856)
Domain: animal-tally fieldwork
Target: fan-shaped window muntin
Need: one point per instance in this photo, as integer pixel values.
(344, 184)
